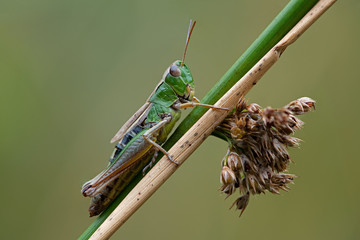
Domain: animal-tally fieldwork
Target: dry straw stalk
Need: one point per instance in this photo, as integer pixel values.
(203, 128)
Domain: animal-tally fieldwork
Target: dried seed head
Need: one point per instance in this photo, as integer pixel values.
(241, 203)
(227, 176)
(280, 181)
(252, 123)
(280, 149)
(301, 105)
(233, 161)
(292, 141)
(258, 156)
(241, 105)
(228, 180)
(253, 108)
(265, 175)
(282, 120)
(237, 133)
(246, 164)
(240, 121)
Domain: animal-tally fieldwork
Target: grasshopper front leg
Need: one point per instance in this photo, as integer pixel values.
(151, 132)
(194, 104)
(195, 99)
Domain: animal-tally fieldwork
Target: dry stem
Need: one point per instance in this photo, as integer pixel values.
(203, 128)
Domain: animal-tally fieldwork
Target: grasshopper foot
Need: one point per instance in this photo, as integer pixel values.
(172, 160)
(151, 163)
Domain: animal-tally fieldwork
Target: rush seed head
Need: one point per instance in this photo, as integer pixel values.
(257, 158)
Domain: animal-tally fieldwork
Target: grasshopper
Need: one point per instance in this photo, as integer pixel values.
(141, 137)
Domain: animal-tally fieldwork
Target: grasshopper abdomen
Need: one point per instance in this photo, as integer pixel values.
(127, 138)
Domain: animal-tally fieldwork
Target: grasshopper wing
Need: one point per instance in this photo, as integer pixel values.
(138, 117)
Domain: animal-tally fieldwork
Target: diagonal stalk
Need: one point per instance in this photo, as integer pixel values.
(281, 25)
(192, 139)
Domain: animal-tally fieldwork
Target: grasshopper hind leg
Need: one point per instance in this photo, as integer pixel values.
(158, 147)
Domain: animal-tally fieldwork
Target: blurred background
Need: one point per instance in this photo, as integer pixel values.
(72, 72)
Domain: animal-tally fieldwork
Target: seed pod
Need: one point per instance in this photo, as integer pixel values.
(228, 180)
(237, 133)
(241, 120)
(241, 203)
(233, 161)
(301, 105)
(246, 164)
(280, 149)
(241, 106)
(227, 176)
(253, 108)
(252, 123)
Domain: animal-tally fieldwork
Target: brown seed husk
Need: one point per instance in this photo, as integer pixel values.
(257, 158)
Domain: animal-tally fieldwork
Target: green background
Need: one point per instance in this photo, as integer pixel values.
(72, 72)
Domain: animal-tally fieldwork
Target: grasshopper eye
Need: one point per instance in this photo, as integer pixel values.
(175, 71)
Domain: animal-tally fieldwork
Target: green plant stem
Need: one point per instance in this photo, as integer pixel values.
(282, 24)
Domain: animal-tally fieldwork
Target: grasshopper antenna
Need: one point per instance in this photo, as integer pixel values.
(191, 28)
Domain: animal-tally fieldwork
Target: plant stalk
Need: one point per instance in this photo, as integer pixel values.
(286, 19)
(188, 143)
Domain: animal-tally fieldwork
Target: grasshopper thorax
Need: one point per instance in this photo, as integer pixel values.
(179, 78)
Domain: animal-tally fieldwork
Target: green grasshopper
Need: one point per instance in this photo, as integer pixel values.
(141, 136)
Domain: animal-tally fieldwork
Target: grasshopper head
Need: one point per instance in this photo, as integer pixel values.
(181, 80)
(179, 76)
